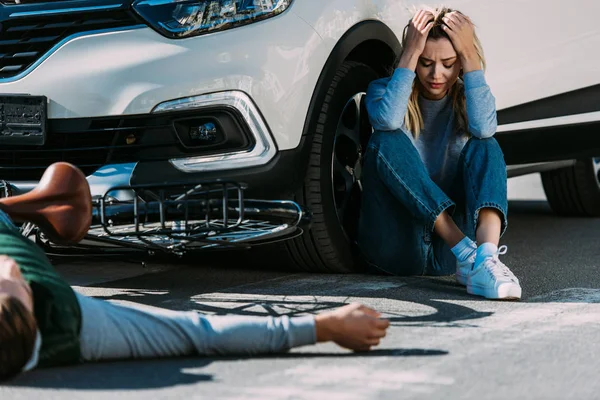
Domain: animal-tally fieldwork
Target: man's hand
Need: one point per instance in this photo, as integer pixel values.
(416, 37)
(462, 34)
(353, 327)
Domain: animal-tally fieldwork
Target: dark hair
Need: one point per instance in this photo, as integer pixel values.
(17, 336)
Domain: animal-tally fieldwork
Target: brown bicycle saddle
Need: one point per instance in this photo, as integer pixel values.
(60, 205)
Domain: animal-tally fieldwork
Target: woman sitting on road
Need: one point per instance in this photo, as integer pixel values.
(44, 322)
(434, 179)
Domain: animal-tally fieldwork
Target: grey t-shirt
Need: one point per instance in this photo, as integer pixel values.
(438, 144)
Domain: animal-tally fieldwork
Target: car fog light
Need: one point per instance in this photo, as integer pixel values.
(206, 133)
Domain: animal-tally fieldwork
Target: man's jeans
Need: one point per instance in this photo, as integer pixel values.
(400, 203)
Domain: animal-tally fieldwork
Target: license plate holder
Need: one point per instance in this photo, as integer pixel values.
(23, 119)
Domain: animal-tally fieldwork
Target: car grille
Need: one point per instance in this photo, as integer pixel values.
(25, 2)
(23, 41)
(90, 143)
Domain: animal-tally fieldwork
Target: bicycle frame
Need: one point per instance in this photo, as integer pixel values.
(181, 217)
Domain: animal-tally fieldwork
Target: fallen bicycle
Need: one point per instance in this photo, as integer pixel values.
(177, 219)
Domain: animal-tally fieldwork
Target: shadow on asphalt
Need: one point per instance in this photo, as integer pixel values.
(301, 294)
(259, 292)
(372, 353)
(130, 375)
(156, 374)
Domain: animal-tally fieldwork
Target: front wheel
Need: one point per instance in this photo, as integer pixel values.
(332, 186)
(574, 191)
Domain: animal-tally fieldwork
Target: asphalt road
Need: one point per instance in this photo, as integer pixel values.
(443, 343)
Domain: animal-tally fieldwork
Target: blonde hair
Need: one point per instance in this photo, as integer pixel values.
(414, 118)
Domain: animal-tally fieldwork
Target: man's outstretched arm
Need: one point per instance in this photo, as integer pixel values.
(130, 331)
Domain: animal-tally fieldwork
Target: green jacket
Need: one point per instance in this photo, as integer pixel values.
(56, 308)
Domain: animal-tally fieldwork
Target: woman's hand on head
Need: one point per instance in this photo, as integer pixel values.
(416, 37)
(462, 34)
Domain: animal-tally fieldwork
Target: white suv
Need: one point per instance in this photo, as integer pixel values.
(269, 92)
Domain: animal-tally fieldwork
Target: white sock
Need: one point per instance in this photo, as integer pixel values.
(464, 249)
(484, 251)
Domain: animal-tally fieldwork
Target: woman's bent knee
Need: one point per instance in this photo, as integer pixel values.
(487, 145)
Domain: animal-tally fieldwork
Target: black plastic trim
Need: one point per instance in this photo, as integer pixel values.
(578, 101)
(354, 37)
(555, 143)
(276, 180)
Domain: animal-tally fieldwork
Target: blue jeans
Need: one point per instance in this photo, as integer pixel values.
(400, 203)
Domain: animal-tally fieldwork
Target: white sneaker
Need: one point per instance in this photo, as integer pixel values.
(463, 269)
(493, 280)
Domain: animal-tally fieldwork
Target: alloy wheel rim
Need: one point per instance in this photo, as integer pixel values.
(351, 137)
(596, 166)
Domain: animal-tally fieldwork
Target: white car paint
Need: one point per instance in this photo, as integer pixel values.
(534, 49)
(133, 71)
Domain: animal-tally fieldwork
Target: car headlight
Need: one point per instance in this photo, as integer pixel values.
(184, 18)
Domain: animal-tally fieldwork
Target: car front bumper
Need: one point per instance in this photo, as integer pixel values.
(134, 70)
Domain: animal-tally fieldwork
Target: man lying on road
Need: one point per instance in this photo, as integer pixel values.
(43, 322)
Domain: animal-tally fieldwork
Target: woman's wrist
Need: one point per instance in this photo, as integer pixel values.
(470, 61)
(408, 60)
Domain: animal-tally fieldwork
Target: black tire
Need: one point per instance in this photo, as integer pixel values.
(574, 191)
(327, 246)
